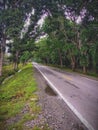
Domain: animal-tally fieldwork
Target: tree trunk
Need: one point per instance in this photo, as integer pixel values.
(1, 61)
(84, 69)
(15, 65)
(79, 42)
(16, 60)
(47, 60)
(73, 63)
(2, 51)
(60, 57)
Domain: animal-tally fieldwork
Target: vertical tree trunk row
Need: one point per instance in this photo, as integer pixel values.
(1, 61)
(2, 51)
(60, 57)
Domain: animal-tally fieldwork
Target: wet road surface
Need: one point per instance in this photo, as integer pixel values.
(79, 93)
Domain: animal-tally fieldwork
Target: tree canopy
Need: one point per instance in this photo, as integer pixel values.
(71, 27)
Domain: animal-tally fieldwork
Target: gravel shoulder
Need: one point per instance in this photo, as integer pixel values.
(55, 112)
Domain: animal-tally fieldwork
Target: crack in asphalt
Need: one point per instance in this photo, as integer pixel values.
(72, 85)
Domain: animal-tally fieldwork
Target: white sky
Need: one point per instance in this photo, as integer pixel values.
(41, 21)
(27, 23)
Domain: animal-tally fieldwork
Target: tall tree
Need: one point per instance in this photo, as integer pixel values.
(12, 17)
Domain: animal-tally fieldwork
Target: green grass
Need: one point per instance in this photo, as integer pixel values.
(8, 71)
(15, 94)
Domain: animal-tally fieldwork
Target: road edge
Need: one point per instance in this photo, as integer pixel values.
(82, 119)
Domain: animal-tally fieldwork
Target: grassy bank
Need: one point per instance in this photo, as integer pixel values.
(7, 71)
(18, 101)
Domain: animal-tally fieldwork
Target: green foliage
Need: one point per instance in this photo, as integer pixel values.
(15, 93)
(25, 56)
(7, 71)
(96, 57)
(76, 42)
(68, 43)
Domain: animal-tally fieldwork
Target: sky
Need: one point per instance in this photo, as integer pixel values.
(26, 24)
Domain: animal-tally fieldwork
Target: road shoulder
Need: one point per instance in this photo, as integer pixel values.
(55, 112)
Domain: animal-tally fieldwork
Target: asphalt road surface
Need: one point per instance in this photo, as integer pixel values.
(78, 92)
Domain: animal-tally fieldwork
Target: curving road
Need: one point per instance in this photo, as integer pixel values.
(79, 93)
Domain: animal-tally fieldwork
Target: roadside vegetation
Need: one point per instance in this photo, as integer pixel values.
(89, 73)
(70, 29)
(8, 71)
(18, 101)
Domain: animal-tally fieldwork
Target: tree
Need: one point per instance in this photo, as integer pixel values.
(67, 41)
(25, 57)
(12, 17)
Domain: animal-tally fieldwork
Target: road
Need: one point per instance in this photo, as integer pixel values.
(78, 92)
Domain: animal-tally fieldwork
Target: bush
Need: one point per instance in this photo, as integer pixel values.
(6, 74)
(2, 79)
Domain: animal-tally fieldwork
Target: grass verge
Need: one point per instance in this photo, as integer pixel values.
(18, 101)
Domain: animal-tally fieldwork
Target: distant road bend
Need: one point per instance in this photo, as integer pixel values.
(79, 93)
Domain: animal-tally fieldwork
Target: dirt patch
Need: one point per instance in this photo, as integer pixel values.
(50, 91)
(54, 110)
